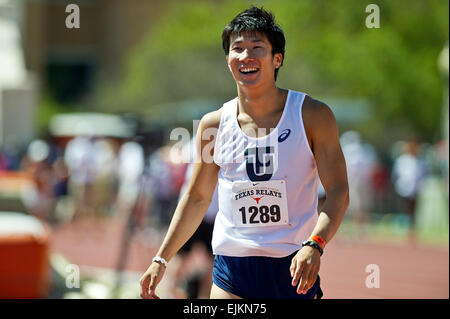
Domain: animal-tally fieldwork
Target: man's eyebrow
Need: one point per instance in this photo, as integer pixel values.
(253, 40)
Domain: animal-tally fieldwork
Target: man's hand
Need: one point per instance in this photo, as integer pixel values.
(150, 279)
(305, 264)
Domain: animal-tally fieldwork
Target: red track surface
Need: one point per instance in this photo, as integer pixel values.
(406, 271)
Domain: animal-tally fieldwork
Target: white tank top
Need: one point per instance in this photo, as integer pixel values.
(252, 174)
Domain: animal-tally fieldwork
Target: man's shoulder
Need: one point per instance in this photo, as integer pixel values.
(314, 106)
(314, 110)
(212, 119)
(316, 114)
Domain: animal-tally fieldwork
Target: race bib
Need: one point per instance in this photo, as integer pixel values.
(259, 204)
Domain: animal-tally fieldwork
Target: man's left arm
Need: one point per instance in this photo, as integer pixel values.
(323, 136)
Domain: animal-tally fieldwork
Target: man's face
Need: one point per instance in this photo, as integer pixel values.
(250, 59)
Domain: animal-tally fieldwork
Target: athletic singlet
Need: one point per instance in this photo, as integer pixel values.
(267, 186)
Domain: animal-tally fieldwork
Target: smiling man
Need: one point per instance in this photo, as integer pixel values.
(269, 141)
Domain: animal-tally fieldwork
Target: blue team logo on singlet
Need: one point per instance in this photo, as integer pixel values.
(284, 135)
(259, 162)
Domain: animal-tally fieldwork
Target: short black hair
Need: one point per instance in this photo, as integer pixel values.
(256, 19)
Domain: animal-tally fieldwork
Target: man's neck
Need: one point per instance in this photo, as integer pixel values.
(259, 102)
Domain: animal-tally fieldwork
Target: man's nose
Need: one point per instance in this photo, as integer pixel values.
(245, 55)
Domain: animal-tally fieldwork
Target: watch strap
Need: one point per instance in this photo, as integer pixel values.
(314, 245)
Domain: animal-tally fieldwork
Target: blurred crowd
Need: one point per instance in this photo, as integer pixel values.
(104, 176)
(393, 182)
(92, 176)
(88, 176)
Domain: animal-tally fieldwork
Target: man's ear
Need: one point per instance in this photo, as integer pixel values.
(228, 64)
(278, 59)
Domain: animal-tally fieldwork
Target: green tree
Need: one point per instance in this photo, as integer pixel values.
(329, 53)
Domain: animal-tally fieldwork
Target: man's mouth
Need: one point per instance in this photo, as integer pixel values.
(248, 70)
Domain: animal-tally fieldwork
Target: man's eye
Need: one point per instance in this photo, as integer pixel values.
(236, 49)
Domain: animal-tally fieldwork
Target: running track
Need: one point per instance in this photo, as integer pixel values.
(406, 271)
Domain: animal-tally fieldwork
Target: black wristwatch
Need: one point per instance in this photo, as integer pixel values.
(314, 245)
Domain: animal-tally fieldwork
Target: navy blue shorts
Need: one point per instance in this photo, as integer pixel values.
(259, 278)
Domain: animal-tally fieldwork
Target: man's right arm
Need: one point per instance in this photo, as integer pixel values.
(193, 204)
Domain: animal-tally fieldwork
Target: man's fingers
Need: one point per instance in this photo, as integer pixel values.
(297, 273)
(303, 280)
(311, 280)
(308, 281)
(152, 286)
(153, 294)
(148, 286)
(144, 287)
(150, 295)
(293, 267)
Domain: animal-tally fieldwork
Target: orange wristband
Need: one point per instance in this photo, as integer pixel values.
(319, 240)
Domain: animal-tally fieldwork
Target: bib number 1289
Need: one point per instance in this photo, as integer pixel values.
(262, 214)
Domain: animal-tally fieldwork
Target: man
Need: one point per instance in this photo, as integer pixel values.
(196, 254)
(267, 182)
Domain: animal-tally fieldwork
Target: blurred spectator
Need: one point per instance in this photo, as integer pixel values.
(3, 161)
(431, 206)
(381, 187)
(440, 161)
(61, 175)
(408, 172)
(11, 155)
(166, 172)
(361, 161)
(80, 160)
(130, 168)
(39, 200)
(105, 176)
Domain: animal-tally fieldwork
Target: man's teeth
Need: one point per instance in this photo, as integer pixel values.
(246, 70)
